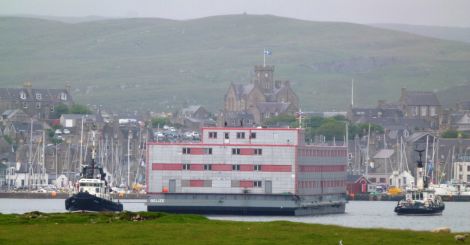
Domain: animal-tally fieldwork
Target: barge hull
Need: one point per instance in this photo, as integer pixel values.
(233, 204)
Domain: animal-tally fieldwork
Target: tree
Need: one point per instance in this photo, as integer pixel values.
(160, 122)
(281, 120)
(60, 109)
(79, 109)
(331, 129)
(452, 134)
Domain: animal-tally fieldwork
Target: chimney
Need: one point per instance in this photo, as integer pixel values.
(28, 86)
(403, 92)
(67, 86)
(380, 103)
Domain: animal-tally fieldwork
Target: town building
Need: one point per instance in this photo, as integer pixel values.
(255, 161)
(263, 98)
(36, 102)
(421, 104)
(462, 171)
(195, 117)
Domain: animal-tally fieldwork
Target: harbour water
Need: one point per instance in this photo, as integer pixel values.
(364, 214)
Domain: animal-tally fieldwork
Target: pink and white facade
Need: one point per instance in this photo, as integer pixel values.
(250, 161)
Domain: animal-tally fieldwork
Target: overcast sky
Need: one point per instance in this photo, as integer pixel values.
(416, 12)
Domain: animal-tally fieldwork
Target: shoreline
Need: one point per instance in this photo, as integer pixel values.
(61, 228)
(64, 195)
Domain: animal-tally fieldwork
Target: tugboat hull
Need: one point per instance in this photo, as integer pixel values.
(419, 210)
(83, 201)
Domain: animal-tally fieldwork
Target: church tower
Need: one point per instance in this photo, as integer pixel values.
(264, 78)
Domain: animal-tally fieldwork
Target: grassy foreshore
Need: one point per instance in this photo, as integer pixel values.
(158, 228)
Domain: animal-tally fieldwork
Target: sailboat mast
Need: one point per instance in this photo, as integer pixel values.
(30, 161)
(43, 168)
(81, 144)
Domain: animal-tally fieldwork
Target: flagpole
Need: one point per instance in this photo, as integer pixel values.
(264, 58)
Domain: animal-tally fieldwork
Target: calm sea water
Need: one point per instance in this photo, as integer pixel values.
(358, 214)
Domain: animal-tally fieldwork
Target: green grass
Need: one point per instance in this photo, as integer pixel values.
(158, 228)
(161, 64)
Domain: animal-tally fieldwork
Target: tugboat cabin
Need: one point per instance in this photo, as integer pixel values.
(95, 187)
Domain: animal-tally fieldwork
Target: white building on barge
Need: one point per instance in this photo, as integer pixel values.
(254, 171)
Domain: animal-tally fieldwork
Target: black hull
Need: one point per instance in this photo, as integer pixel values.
(262, 211)
(419, 210)
(83, 201)
(249, 211)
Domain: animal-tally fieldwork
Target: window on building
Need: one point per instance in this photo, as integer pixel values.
(253, 135)
(423, 111)
(382, 180)
(52, 108)
(373, 180)
(212, 135)
(432, 111)
(258, 151)
(240, 135)
(63, 96)
(22, 95)
(257, 183)
(257, 167)
(38, 105)
(186, 150)
(226, 135)
(207, 167)
(38, 96)
(414, 110)
(235, 151)
(208, 151)
(460, 168)
(186, 166)
(236, 167)
(25, 105)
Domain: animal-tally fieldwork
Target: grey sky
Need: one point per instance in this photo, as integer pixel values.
(416, 12)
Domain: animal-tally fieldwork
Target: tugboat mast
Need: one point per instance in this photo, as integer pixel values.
(420, 179)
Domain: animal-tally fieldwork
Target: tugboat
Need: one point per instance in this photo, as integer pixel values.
(92, 193)
(420, 200)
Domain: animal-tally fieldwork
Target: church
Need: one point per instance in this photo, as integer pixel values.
(248, 105)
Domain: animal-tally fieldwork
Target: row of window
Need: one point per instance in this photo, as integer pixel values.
(23, 96)
(318, 184)
(234, 183)
(257, 151)
(205, 151)
(239, 135)
(235, 151)
(322, 153)
(38, 106)
(208, 167)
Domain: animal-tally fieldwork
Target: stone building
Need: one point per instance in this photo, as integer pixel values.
(40, 103)
(263, 98)
(421, 104)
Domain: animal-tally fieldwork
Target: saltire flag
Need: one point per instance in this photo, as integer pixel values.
(267, 52)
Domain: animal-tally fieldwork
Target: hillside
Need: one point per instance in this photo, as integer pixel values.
(460, 34)
(159, 64)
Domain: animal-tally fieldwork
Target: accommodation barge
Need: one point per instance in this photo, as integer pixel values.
(247, 171)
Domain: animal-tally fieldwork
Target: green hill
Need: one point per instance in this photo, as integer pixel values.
(461, 34)
(158, 64)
